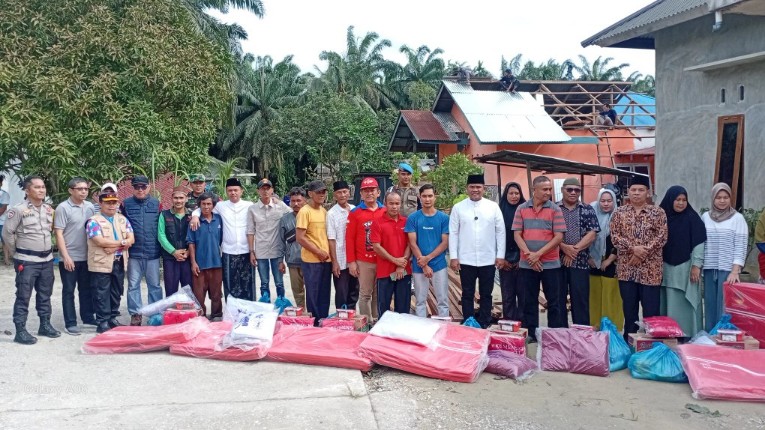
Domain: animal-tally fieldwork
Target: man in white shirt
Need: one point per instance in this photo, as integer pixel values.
(346, 286)
(237, 271)
(263, 237)
(476, 247)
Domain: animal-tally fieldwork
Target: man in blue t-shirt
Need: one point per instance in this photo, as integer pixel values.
(428, 231)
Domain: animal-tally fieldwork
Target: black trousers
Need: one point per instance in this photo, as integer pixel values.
(400, 292)
(32, 276)
(551, 285)
(485, 277)
(108, 289)
(576, 283)
(346, 290)
(634, 295)
(79, 278)
(513, 294)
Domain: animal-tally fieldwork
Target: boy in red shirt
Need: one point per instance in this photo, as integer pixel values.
(391, 243)
(361, 257)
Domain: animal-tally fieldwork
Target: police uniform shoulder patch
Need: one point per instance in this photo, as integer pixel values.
(11, 213)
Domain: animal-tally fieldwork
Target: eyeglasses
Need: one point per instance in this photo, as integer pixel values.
(79, 188)
(573, 190)
(140, 187)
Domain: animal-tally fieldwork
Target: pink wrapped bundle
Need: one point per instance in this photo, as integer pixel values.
(662, 327)
(319, 346)
(724, 373)
(745, 303)
(457, 353)
(510, 365)
(507, 341)
(573, 350)
(207, 344)
(144, 338)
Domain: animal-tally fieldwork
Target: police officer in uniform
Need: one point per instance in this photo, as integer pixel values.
(27, 232)
(410, 196)
(198, 184)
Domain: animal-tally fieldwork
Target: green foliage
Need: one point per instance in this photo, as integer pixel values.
(93, 88)
(450, 177)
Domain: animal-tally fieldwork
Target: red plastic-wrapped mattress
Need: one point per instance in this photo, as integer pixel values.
(457, 353)
(144, 338)
(573, 350)
(319, 346)
(207, 344)
(724, 373)
(745, 303)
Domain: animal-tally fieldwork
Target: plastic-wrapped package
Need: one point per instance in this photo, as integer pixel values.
(723, 324)
(182, 295)
(507, 364)
(507, 341)
(406, 327)
(254, 324)
(457, 353)
(661, 327)
(723, 373)
(305, 321)
(144, 338)
(319, 346)
(745, 302)
(619, 351)
(207, 344)
(703, 338)
(176, 316)
(357, 323)
(657, 364)
(573, 350)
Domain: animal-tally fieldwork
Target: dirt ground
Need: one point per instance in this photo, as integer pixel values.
(398, 400)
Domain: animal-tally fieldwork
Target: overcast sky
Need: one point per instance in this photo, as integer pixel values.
(466, 30)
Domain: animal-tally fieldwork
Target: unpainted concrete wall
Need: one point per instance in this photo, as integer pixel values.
(688, 104)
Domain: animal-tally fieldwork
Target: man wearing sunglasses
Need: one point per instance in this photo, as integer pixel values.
(142, 210)
(581, 229)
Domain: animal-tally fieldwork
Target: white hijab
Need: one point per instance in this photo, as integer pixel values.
(598, 247)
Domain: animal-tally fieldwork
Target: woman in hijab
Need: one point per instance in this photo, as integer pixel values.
(725, 252)
(605, 299)
(683, 260)
(512, 289)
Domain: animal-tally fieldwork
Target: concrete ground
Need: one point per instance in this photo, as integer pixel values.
(53, 385)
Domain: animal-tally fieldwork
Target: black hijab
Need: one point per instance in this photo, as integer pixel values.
(508, 213)
(685, 229)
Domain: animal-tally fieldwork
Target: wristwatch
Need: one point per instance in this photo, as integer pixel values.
(124, 242)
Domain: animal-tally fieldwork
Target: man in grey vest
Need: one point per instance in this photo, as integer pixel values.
(27, 232)
(142, 210)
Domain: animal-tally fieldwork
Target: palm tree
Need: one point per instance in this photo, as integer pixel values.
(422, 65)
(414, 85)
(266, 88)
(360, 72)
(643, 84)
(228, 35)
(552, 70)
(599, 70)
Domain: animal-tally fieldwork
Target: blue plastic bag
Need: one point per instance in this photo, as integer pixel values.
(657, 364)
(156, 319)
(281, 303)
(619, 352)
(471, 322)
(724, 324)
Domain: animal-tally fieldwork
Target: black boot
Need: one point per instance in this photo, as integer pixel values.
(103, 327)
(23, 337)
(113, 322)
(46, 329)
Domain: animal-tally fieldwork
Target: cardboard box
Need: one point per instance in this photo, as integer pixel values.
(293, 311)
(747, 342)
(509, 325)
(507, 341)
(346, 314)
(303, 320)
(641, 341)
(185, 306)
(356, 324)
(731, 335)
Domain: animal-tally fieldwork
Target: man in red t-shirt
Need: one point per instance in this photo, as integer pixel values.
(361, 257)
(391, 244)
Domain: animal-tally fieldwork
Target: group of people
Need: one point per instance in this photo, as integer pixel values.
(607, 260)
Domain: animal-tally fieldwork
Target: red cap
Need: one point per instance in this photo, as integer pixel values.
(369, 183)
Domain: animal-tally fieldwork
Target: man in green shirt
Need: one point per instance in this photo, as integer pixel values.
(172, 228)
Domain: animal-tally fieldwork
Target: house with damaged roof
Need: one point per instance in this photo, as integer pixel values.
(548, 124)
(710, 84)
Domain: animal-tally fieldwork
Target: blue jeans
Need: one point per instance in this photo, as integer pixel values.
(264, 266)
(713, 296)
(137, 269)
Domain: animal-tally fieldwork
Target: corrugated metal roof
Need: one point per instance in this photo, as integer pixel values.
(502, 117)
(649, 19)
(426, 126)
(544, 163)
(651, 150)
